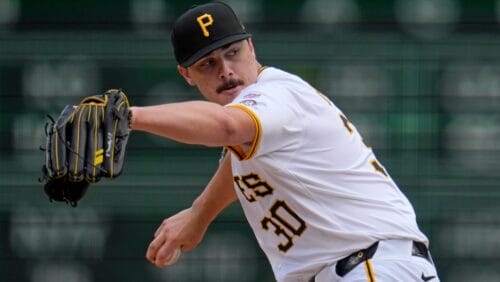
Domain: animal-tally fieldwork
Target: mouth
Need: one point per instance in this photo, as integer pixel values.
(230, 86)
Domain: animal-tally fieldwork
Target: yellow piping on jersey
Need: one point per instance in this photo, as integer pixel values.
(256, 139)
(237, 150)
(261, 69)
(324, 97)
(370, 275)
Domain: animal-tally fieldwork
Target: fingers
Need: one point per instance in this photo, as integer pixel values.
(160, 228)
(153, 248)
(160, 250)
(165, 253)
(175, 231)
(187, 248)
(162, 247)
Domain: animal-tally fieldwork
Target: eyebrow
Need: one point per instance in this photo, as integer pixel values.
(224, 47)
(229, 45)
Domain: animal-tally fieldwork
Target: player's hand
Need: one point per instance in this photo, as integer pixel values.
(183, 230)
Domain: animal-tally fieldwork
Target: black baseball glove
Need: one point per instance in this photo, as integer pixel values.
(86, 142)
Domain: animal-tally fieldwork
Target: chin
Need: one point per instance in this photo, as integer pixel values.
(226, 101)
(229, 97)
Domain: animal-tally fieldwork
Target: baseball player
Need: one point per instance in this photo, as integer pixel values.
(320, 204)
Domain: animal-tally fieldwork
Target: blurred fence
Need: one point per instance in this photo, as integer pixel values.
(423, 88)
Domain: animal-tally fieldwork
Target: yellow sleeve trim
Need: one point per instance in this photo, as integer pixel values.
(237, 150)
(261, 69)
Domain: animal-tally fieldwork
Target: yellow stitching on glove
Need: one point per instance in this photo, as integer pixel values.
(98, 158)
(112, 163)
(56, 141)
(78, 140)
(94, 100)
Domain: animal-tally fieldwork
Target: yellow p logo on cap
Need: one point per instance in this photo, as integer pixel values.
(204, 21)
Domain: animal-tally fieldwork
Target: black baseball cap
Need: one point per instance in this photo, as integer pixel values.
(204, 28)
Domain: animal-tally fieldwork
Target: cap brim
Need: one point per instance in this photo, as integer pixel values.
(201, 53)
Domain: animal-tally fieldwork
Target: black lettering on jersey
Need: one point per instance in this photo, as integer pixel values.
(378, 167)
(375, 164)
(286, 223)
(252, 186)
(237, 180)
(346, 122)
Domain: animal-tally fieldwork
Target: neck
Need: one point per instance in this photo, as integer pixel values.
(260, 68)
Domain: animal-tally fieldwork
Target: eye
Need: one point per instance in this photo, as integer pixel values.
(207, 63)
(233, 52)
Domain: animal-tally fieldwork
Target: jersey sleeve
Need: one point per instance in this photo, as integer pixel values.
(276, 121)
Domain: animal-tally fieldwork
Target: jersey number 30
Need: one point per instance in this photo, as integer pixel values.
(284, 221)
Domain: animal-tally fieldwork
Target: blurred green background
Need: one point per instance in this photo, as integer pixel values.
(419, 79)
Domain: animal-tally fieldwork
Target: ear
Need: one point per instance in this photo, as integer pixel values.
(251, 48)
(185, 73)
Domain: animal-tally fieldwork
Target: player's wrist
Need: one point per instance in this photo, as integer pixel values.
(202, 213)
(132, 118)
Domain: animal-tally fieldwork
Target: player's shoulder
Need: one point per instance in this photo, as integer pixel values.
(275, 74)
(274, 80)
(275, 86)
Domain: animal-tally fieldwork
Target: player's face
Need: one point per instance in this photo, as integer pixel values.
(222, 74)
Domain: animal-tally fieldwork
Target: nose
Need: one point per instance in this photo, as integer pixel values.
(225, 71)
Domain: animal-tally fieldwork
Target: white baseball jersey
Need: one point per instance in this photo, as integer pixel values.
(311, 190)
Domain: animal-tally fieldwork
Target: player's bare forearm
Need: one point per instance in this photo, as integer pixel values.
(187, 228)
(218, 194)
(196, 122)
